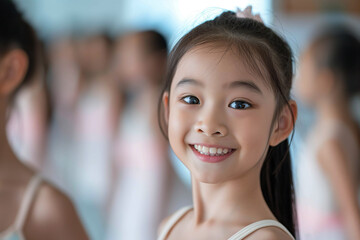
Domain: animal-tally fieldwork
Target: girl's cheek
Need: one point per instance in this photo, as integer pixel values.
(253, 148)
(177, 118)
(179, 125)
(252, 131)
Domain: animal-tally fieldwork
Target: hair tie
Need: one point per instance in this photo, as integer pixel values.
(247, 13)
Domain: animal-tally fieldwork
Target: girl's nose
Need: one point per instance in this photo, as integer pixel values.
(210, 125)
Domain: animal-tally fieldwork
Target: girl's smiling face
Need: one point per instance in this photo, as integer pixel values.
(219, 115)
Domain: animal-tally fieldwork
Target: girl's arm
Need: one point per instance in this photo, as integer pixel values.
(53, 216)
(333, 160)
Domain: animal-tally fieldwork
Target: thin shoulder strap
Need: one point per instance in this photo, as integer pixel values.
(26, 202)
(256, 226)
(172, 221)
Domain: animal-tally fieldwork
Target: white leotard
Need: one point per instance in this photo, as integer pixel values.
(244, 232)
(15, 231)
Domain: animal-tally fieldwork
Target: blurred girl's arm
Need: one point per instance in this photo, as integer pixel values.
(332, 158)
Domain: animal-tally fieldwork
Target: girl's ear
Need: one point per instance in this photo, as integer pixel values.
(13, 68)
(165, 99)
(285, 124)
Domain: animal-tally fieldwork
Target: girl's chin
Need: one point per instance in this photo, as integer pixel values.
(209, 177)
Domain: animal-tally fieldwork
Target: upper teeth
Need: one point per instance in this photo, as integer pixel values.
(212, 151)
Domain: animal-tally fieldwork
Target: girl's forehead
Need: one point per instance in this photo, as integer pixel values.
(216, 63)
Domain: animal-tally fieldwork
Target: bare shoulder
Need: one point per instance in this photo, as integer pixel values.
(178, 215)
(53, 216)
(269, 233)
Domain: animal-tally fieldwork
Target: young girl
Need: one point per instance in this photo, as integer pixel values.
(228, 115)
(329, 169)
(29, 207)
(141, 190)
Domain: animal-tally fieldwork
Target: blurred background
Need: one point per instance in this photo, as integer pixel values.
(89, 122)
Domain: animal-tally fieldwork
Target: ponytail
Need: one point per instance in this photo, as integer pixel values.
(277, 185)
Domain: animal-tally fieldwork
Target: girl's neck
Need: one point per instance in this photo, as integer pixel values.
(237, 202)
(8, 160)
(334, 108)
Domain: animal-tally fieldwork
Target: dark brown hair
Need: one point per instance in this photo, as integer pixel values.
(266, 54)
(16, 33)
(154, 41)
(337, 48)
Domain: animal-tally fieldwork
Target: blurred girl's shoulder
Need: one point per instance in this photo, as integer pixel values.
(50, 213)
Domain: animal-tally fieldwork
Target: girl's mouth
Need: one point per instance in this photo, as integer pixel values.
(211, 154)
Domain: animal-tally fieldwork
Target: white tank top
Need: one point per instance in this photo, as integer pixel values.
(244, 232)
(15, 231)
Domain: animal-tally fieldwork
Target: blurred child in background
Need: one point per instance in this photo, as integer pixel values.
(329, 170)
(30, 208)
(63, 82)
(95, 120)
(142, 155)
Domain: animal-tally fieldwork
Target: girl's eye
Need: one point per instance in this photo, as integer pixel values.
(239, 105)
(191, 100)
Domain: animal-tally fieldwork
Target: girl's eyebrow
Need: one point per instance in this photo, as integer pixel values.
(240, 83)
(189, 81)
(247, 84)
